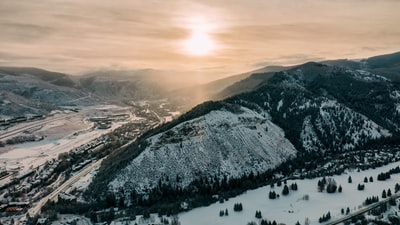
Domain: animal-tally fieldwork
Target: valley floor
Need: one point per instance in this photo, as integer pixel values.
(292, 208)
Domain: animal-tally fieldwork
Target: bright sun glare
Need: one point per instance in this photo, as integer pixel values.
(200, 42)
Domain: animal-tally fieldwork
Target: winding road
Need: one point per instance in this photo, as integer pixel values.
(53, 195)
(362, 211)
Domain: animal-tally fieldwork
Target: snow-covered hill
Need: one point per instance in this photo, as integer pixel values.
(33, 91)
(218, 143)
(312, 110)
(323, 108)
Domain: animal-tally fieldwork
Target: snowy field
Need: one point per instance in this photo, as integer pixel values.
(292, 208)
(60, 136)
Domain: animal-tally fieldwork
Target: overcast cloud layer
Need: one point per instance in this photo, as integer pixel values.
(74, 36)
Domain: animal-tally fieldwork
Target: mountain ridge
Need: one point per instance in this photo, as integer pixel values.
(320, 109)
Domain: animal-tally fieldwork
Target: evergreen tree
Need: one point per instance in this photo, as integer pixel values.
(392, 201)
(258, 215)
(389, 192)
(175, 220)
(396, 188)
(320, 186)
(272, 195)
(383, 194)
(237, 207)
(226, 212)
(285, 190)
(340, 189)
(371, 179)
(365, 180)
(146, 215)
(349, 179)
(331, 187)
(367, 201)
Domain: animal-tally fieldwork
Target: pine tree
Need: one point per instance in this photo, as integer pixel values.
(226, 212)
(320, 187)
(383, 194)
(331, 187)
(175, 220)
(389, 192)
(258, 215)
(396, 188)
(272, 195)
(349, 179)
(365, 180)
(340, 189)
(237, 207)
(371, 179)
(285, 190)
(392, 201)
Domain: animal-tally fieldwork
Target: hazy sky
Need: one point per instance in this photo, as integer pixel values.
(220, 37)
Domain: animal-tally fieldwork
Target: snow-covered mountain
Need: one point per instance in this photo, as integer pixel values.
(219, 143)
(325, 108)
(313, 109)
(34, 91)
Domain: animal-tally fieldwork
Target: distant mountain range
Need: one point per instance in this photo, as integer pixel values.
(36, 91)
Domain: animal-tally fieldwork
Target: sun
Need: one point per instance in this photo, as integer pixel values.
(200, 41)
(199, 44)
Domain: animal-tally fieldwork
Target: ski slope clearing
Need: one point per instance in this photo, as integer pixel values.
(293, 207)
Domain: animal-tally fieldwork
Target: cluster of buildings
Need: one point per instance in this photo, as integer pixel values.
(19, 119)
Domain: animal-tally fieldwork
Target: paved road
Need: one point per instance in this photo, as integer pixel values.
(362, 211)
(53, 195)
